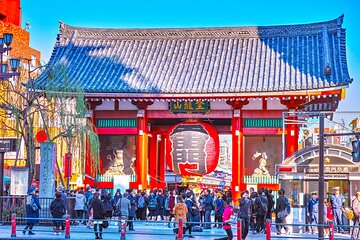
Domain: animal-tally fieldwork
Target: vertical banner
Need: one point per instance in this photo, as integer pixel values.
(66, 164)
(19, 181)
(47, 181)
(121, 182)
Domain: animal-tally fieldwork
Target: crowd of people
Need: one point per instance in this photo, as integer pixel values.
(95, 207)
(334, 209)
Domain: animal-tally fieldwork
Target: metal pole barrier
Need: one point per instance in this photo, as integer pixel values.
(13, 225)
(123, 228)
(239, 228)
(331, 230)
(67, 228)
(180, 232)
(268, 229)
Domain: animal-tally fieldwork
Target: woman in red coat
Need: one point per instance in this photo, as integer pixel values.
(226, 217)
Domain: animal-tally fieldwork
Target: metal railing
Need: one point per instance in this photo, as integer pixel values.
(180, 226)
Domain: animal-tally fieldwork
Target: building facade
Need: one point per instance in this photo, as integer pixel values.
(10, 22)
(141, 82)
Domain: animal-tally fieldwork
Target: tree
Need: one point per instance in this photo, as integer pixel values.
(60, 111)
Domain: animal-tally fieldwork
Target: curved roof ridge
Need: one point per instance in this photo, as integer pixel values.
(231, 31)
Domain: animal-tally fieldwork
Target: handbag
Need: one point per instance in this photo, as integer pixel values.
(117, 212)
(34, 206)
(105, 224)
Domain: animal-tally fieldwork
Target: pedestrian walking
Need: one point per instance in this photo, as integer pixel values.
(98, 209)
(32, 211)
(226, 219)
(57, 210)
(245, 213)
(356, 208)
(282, 210)
(337, 202)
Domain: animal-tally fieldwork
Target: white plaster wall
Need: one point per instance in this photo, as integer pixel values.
(106, 105)
(274, 104)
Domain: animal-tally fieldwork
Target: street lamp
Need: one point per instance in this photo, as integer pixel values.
(5, 43)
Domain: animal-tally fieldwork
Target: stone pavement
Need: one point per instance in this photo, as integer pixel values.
(143, 232)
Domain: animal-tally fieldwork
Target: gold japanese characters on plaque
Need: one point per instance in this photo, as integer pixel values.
(189, 106)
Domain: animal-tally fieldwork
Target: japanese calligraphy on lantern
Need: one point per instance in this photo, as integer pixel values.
(192, 149)
(189, 107)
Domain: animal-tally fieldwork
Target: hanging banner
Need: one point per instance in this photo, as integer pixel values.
(192, 148)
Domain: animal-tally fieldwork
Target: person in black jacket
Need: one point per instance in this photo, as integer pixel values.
(281, 204)
(57, 209)
(261, 204)
(98, 214)
(245, 212)
(271, 203)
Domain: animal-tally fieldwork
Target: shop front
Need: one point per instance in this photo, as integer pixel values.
(299, 174)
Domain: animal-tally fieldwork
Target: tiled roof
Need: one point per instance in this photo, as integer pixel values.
(202, 60)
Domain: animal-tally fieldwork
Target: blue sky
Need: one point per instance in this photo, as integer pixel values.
(43, 16)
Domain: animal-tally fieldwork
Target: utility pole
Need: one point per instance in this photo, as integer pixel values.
(321, 176)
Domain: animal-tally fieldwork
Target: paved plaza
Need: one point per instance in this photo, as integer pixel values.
(143, 232)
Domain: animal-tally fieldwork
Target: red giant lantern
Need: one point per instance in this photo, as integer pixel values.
(192, 148)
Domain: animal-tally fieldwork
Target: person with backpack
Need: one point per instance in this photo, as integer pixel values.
(253, 196)
(282, 210)
(153, 211)
(57, 210)
(32, 211)
(261, 204)
(271, 203)
(142, 206)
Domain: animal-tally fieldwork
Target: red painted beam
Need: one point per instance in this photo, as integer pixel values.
(110, 131)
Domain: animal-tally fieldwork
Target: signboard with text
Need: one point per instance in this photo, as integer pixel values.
(189, 107)
(7, 144)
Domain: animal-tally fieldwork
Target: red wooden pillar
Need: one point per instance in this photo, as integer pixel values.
(292, 135)
(153, 160)
(142, 149)
(161, 166)
(237, 183)
(292, 127)
(90, 169)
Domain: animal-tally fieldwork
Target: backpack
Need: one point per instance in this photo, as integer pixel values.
(141, 202)
(152, 203)
(263, 205)
(284, 213)
(167, 199)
